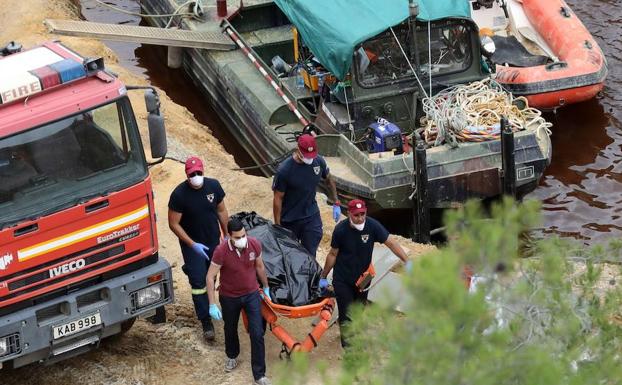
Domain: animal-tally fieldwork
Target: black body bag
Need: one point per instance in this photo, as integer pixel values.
(293, 274)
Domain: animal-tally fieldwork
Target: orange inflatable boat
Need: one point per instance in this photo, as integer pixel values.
(575, 67)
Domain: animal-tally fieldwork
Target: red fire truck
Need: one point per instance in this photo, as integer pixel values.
(78, 247)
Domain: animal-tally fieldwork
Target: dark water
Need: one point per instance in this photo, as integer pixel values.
(581, 190)
(93, 11)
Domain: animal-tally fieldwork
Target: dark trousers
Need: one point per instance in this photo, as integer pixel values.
(231, 308)
(346, 295)
(308, 231)
(195, 267)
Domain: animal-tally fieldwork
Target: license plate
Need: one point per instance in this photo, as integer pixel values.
(77, 326)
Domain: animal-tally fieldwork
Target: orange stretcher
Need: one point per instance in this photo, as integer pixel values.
(271, 311)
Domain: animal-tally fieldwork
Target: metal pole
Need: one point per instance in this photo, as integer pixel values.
(507, 158)
(221, 8)
(413, 195)
(421, 211)
(290, 104)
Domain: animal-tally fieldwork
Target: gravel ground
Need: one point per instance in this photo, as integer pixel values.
(172, 353)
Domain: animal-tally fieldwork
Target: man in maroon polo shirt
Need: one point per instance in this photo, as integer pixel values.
(239, 262)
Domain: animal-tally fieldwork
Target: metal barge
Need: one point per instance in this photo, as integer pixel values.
(266, 127)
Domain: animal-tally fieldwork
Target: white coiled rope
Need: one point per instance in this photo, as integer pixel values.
(472, 113)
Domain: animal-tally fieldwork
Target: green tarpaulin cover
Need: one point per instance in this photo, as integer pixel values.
(332, 28)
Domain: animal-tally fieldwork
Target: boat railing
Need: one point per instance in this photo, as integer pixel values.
(375, 173)
(358, 167)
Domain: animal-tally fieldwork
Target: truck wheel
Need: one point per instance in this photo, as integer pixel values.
(159, 317)
(127, 325)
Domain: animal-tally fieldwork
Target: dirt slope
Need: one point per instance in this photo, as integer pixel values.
(172, 353)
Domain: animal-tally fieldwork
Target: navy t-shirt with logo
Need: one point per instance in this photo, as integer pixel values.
(355, 248)
(299, 181)
(198, 208)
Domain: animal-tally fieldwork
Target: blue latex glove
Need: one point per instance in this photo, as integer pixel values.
(266, 292)
(323, 284)
(336, 212)
(409, 266)
(214, 312)
(201, 249)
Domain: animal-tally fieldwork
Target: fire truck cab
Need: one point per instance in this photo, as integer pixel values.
(78, 246)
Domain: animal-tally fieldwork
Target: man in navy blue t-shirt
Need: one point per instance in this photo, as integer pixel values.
(294, 188)
(197, 214)
(351, 250)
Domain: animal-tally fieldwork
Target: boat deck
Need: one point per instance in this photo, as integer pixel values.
(268, 36)
(230, 3)
(340, 169)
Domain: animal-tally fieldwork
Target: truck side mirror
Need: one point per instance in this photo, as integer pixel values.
(152, 100)
(155, 122)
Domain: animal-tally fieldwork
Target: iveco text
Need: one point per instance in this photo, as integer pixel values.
(67, 267)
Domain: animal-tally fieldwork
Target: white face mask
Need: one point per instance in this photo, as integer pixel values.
(196, 181)
(358, 227)
(307, 160)
(240, 243)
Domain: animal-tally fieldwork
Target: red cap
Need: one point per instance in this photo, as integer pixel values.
(193, 164)
(356, 206)
(307, 145)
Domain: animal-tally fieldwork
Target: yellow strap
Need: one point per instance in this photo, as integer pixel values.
(296, 48)
(199, 291)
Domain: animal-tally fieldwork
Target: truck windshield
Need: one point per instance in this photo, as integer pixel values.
(68, 161)
(380, 61)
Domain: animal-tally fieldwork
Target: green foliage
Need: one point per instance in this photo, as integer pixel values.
(551, 318)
